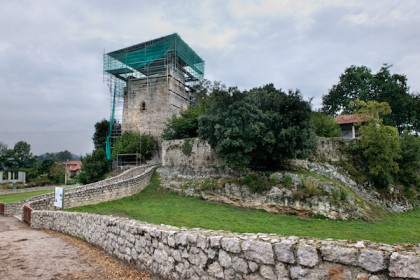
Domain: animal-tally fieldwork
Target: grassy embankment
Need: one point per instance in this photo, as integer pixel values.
(158, 206)
(16, 197)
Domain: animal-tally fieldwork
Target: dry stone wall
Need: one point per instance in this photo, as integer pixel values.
(179, 253)
(125, 184)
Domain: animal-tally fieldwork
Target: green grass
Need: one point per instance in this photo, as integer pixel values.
(155, 205)
(16, 197)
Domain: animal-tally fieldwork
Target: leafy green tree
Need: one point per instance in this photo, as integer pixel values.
(409, 163)
(354, 83)
(99, 136)
(64, 155)
(324, 125)
(183, 126)
(261, 128)
(94, 167)
(380, 144)
(131, 142)
(22, 156)
(358, 82)
(3, 154)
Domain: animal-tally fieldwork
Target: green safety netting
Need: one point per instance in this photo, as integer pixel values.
(138, 57)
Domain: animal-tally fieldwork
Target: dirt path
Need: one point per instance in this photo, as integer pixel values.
(26, 253)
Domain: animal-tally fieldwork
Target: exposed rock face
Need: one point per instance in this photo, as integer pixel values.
(303, 195)
(180, 253)
(188, 159)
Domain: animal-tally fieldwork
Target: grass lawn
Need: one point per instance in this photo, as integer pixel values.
(16, 197)
(158, 206)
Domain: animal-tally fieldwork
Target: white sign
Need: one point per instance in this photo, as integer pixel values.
(58, 201)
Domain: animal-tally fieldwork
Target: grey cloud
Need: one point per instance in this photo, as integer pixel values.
(51, 88)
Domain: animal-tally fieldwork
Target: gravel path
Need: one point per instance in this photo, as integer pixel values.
(27, 253)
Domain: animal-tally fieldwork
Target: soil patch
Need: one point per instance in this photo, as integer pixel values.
(26, 253)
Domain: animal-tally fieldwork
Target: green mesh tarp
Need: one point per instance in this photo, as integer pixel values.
(138, 57)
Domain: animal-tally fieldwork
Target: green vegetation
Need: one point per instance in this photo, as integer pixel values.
(159, 206)
(324, 125)
(261, 128)
(45, 170)
(358, 82)
(144, 145)
(16, 197)
(94, 167)
(187, 146)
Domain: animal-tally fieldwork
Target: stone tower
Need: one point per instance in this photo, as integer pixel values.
(149, 83)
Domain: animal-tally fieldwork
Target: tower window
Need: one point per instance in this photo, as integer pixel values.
(143, 106)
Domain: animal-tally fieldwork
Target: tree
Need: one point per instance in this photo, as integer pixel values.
(261, 128)
(94, 167)
(64, 155)
(324, 125)
(359, 83)
(183, 126)
(22, 156)
(380, 144)
(131, 142)
(409, 163)
(3, 154)
(99, 136)
(355, 83)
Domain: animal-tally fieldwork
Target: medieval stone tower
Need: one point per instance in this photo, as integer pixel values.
(149, 83)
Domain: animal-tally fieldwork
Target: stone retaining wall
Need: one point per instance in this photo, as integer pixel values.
(125, 184)
(179, 253)
(194, 153)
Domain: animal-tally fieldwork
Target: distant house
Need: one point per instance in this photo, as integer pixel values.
(72, 167)
(349, 124)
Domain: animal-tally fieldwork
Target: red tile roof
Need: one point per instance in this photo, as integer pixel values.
(354, 118)
(73, 165)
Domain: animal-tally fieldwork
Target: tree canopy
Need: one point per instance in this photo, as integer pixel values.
(18, 157)
(144, 145)
(358, 82)
(380, 143)
(260, 128)
(325, 125)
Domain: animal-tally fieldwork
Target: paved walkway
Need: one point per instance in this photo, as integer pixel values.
(26, 253)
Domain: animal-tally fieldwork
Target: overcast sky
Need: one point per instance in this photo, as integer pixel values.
(51, 83)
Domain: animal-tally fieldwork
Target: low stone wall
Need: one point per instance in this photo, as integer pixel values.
(179, 253)
(125, 184)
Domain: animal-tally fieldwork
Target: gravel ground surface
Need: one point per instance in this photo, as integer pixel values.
(27, 253)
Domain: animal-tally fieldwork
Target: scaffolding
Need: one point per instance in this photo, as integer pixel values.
(167, 59)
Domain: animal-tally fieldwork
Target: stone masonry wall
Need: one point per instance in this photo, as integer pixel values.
(331, 149)
(125, 184)
(162, 96)
(194, 153)
(179, 253)
(202, 155)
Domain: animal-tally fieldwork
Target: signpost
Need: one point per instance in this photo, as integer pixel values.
(59, 196)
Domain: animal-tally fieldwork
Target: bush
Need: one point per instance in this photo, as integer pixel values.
(324, 125)
(144, 145)
(287, 180)
(94, 167)
(255, 183)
